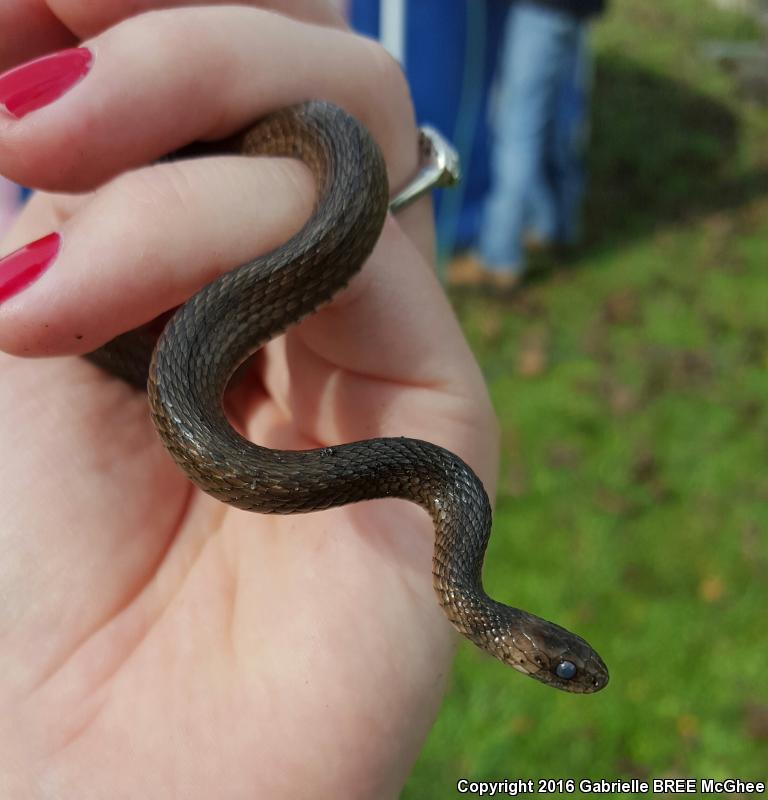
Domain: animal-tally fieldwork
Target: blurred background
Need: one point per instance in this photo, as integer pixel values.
(628, 364)
(630, 374)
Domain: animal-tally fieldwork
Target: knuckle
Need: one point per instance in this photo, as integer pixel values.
(393, 113)
(388, 75)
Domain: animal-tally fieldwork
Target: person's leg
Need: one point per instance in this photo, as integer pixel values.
(528, 83)
(570, 134)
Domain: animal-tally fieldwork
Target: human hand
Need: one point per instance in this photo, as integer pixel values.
(156, 643)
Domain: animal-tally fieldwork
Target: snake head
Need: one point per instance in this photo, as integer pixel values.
(554, 656)
(576, 668)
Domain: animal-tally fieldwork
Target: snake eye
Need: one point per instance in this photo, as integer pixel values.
(565, 670)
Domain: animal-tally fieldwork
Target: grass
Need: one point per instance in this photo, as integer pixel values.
(631, 386)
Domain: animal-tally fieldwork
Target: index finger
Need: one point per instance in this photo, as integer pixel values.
(36, 27)
(86, 18)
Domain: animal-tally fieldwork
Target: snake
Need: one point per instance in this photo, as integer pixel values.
(187, 369)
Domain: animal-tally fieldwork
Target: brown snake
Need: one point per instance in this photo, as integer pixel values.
(232, 317)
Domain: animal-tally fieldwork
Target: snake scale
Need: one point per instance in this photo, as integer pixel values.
(187, 372)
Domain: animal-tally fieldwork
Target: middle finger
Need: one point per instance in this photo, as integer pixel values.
(162, 79)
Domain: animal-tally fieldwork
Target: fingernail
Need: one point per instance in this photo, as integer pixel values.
(39, 82)
(25, 265)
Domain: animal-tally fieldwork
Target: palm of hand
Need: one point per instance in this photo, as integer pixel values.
(171, 635)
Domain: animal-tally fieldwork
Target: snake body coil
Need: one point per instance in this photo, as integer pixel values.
(218, 328)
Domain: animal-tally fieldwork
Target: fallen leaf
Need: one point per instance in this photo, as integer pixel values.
(533, 355)
(711, 589)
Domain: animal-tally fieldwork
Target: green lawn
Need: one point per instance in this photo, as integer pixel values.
(632, 388)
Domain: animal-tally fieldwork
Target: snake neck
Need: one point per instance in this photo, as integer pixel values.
(534, 646)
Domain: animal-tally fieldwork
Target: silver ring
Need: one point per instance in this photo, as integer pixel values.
(439, 168)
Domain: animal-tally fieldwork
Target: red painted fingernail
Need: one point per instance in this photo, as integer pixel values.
(39, 82)
(25, 265)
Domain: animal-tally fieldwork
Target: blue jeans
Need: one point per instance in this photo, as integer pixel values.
(540, 126)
